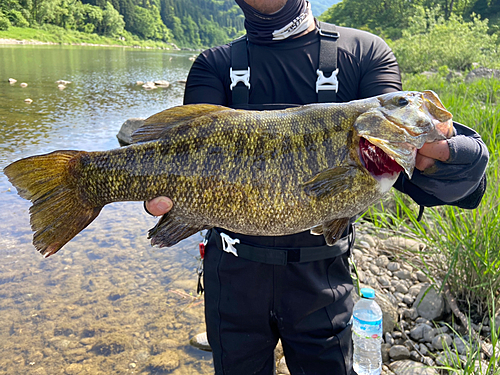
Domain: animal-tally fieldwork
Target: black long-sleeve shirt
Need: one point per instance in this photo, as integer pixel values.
(285, 73)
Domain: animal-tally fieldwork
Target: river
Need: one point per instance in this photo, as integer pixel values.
(108, 302)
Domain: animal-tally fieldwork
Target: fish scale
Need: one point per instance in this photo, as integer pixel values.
(251, 172)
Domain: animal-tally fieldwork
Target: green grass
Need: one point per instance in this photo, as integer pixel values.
(58, 35)
(463, 246)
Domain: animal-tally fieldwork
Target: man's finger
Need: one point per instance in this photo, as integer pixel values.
(439, 150)
(159, 206)
(423, 162)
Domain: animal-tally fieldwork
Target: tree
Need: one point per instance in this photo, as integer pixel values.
(112, 22)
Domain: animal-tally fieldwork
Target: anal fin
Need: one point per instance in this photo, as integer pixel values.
(332, 230)
(171, 229)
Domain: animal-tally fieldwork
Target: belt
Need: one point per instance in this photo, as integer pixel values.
(279, 255)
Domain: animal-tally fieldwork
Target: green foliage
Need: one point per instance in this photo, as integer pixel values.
(112, 22)
(192, 23)
(385, 18)
(431, 41)
(17, 18)
(4, 22)
(389, 18)
(147, 23)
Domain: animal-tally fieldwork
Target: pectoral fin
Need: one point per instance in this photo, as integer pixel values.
(329, 182)
(171, 229)
(332, 230)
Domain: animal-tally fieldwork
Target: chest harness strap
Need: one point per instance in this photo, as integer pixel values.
(326, 83)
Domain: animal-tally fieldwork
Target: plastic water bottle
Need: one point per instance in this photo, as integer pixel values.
(367, 334)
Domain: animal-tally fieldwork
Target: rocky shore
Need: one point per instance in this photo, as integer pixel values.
(420, 329)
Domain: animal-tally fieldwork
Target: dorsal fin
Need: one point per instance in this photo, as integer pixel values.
(156, 126)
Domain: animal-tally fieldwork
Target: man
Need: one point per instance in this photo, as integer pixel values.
(250, 304)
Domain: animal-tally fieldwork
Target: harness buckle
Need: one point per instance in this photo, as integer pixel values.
(227, 244)
(239, 76)
(329, 34)
(327, 83)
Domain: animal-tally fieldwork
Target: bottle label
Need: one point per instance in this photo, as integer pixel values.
(368, 329)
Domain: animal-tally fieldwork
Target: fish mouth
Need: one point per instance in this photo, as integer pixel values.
(387, 157)
(403, 123)
(376, 161)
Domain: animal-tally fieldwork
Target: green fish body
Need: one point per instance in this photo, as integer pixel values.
(252, 172)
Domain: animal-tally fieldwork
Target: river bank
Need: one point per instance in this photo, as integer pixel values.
(57, 36)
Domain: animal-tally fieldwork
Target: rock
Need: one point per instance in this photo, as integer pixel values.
(142, 355)
(370, 240)
(400, 287)
(409, 299)
(149, 86)
(382, 261)
(403, 274)
(398, 352)
(397, 243)
(74, 368)
(482, 73)
(200, 341)
(129, 126)
(481, 367)
(414, 356)
(429, 336)
(448, 358)
(385, 348)
(422, 277)
(388, 338)
(460, 344)
(407, 367)
(441, 341)
(113, 343)
(410, 313)
(393, 266)
(163, 363)
(415, 289)
(417, 333)
(384, 280)
(162, 83)
(374, 269)
(429, 303)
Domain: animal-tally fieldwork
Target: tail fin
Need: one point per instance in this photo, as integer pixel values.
(58, 213)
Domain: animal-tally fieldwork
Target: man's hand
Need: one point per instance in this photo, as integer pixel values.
(159, 206)
(430, 152)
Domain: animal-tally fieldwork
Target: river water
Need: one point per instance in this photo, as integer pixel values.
(107, 303)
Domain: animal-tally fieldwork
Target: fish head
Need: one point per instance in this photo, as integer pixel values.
(391, 132)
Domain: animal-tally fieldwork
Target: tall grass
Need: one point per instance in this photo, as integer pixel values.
(463, 245)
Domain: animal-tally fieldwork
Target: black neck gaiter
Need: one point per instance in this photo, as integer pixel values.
(294, 18)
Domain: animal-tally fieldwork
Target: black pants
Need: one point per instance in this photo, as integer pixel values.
(250, 305)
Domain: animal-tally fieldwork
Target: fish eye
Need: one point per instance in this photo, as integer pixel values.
(402, 102)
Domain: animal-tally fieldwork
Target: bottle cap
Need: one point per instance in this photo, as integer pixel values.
(367, 293)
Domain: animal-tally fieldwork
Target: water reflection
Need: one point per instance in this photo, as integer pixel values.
(107, 303)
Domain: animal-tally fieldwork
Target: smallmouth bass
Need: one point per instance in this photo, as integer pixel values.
(252, 172)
